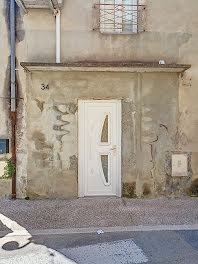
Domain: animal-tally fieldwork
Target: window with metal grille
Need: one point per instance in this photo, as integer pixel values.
(120, 16)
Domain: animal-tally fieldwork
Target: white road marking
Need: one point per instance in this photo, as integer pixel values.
(37, 256)
(17, 230)
(25, 251)
(119, 252)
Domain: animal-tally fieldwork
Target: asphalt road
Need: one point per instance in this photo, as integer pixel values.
(156, 247)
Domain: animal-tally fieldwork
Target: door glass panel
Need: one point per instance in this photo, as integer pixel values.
(105, 167)
(105, 130)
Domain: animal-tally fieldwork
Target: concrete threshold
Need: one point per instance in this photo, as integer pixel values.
(38, 232)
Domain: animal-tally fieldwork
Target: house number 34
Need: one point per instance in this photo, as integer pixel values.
(44, 87)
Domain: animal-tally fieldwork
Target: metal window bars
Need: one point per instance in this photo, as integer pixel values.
(120, 18)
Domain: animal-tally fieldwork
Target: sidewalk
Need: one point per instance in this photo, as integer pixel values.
(99, 212)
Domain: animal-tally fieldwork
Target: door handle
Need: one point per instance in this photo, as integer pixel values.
(114, 149)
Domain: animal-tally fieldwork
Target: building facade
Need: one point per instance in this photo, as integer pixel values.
(114, 112)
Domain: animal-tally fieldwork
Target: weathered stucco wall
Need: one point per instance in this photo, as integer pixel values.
(170, 34)
(162, 40)
(149, 125)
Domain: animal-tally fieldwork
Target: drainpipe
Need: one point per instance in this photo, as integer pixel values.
(58, 35)
(13, 94)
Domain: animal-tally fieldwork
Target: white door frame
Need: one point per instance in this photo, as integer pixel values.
(81, 145)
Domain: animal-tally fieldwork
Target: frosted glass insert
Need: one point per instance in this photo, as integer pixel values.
(105, 130)
(105, 167)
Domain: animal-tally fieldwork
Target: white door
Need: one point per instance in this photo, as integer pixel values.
(99, 135)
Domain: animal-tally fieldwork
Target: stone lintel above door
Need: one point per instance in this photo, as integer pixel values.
(106, 67)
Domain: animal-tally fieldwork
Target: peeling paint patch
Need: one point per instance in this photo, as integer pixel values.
(66, 108)
(37, 135)
(40, 104)
(44, 150)
(73, 162)
(39, 145)
(61, 128)
(64, 117)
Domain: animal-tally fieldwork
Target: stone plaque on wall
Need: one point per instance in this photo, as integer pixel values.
(179, 165)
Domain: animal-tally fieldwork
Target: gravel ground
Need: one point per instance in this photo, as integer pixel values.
(99, 212)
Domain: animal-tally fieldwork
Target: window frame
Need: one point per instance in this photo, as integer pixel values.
(119, 19)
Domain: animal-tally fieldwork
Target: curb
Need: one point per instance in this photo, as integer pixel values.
(115, 229)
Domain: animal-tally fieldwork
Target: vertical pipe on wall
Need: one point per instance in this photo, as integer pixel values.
(13, 93)
(58, 35)
(12, 43)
